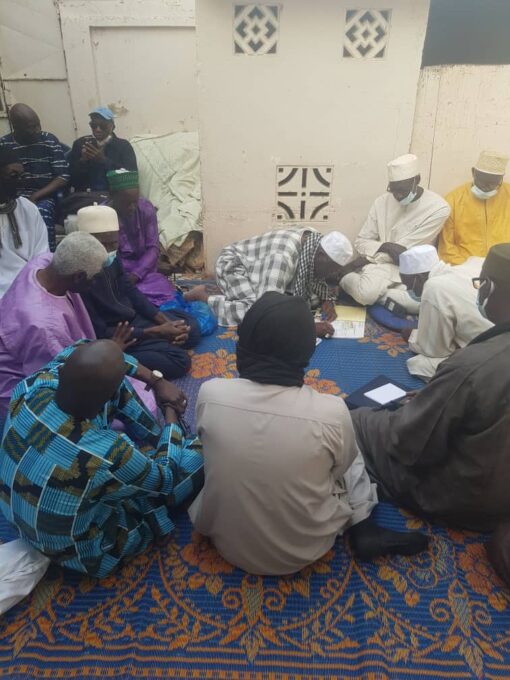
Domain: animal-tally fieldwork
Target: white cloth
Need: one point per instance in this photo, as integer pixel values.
(21, 569)
(169, 171)
(34, 237)
(389, 222)
(283, 474)
(449, 318)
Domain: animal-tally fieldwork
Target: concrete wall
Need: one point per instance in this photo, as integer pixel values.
(304, 105)
(460, 111)
(33, 66)
(65, 57)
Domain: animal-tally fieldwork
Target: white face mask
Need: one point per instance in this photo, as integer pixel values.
(483, 195)
(410, 196)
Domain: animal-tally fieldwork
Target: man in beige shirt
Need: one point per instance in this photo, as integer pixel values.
(283, 474)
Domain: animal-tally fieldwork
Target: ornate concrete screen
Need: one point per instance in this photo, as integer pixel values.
(303, 192)
(256, 29)
(366, 33)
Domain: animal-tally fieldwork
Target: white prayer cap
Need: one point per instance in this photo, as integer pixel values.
(337, 247)
(403, 167)
(492, 162)
(418, 260)
(97, 219)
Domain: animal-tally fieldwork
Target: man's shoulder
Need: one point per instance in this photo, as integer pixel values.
(50, 139)
(458, 192)
(7, 140)
(434, 200)
(28, 207)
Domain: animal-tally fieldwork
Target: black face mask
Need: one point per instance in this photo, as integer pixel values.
(8, 189)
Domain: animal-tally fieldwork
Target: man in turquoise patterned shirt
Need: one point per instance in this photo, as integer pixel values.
(83, 494)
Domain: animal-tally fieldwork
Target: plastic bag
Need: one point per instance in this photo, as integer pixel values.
(21, 569)
(200, 310)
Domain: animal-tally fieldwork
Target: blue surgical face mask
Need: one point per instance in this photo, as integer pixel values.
(483, 195)
(409, 198)
(413, 296)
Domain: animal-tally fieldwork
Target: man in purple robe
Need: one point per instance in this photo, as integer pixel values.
(42, 311)
(138, 249)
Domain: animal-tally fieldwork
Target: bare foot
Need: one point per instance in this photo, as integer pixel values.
(197, 294)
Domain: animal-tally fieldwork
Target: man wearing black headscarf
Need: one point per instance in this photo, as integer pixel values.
(23, 234)
(283, 474)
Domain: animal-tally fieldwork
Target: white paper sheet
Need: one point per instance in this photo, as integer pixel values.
(385, 393)
(348, 329)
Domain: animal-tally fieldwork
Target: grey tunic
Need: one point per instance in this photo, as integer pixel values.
(446, 453)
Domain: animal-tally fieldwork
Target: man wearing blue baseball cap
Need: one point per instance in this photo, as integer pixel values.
(94, 155)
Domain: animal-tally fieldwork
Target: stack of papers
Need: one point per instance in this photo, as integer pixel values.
(349, 322)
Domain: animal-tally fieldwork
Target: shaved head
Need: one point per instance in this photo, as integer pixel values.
(25, 123)
(90, 378)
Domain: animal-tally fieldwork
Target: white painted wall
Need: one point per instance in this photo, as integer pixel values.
(304, 105)
(33, 65)
(137, 56)
(65, 57)
(460, 110)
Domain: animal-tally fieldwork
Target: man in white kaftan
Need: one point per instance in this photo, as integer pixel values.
(449, 317)
(406, 216)
(23, 234)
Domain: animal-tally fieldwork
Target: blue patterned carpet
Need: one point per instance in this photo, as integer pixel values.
(180, 611)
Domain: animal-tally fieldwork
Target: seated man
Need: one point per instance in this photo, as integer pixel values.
(45, 169)
(295, 261)
(449, 318)
(42, 312)
(93, 156)
(480, 212)
(444, 454)
(138, 250)
(83, 494)
(283, 474)
(23, 234)
(159, 341)
(406, 215)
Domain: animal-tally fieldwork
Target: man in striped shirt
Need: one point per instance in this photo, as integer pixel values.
(46, 170)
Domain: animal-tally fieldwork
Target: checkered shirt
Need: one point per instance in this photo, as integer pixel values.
(247, 269)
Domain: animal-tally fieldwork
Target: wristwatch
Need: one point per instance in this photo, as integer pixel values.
(156, 375)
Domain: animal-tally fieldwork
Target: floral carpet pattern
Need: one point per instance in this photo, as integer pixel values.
(180, 611)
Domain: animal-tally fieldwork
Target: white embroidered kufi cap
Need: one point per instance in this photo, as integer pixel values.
(418, 260)
(403, 167)
(337, 247)
(97, 219)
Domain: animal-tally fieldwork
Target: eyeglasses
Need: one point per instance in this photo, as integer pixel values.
(479, 282)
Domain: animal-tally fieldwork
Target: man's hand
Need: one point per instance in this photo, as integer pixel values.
(168, 394)
(328, 310)
(133, 278)
(122, 335)
(176, 332)
(394, 250)
(353, 266)
(323, 329)
(197, 294)
(406, 333)
(90, 152)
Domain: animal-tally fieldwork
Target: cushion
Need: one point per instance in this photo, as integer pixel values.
(386, 318)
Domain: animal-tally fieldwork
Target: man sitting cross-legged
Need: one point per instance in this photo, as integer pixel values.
(406, 215)
(159, 340)
(449, 318)
(444, 454)
(283, 474)
(78, 491)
